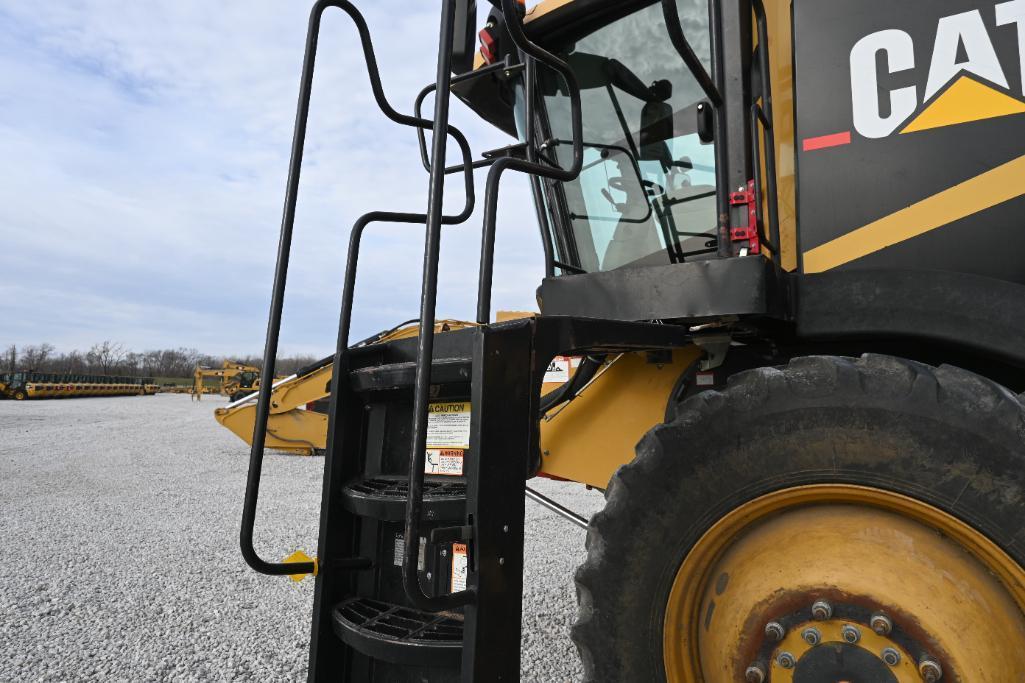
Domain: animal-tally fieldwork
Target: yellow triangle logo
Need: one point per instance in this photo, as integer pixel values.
(967, 100)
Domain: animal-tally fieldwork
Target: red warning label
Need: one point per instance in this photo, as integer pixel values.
(444, 461)
(459, 565)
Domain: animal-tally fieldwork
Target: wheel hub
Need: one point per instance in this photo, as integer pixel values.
(837, 650)
(844, 584)
(832, 662)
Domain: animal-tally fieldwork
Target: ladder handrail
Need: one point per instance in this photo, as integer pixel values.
(514, 25)
(425, 336)
(713, 88)
(431, 87)
(256, 453)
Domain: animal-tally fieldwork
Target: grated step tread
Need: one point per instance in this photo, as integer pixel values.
(385, 498)
(399, 634)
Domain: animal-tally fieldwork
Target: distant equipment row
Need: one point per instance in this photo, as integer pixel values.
(24, 385)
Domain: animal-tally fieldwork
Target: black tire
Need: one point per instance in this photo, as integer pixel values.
(942, 435)
(20, 395)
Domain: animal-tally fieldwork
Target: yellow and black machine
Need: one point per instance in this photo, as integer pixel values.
(26, 385)
(779, 244)
(237, 380)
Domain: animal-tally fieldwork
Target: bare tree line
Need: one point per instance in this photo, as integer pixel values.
(112, 358)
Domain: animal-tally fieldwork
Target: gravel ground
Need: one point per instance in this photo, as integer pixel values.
(120, 552)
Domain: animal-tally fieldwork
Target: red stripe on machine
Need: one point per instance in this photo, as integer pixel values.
(824, 141)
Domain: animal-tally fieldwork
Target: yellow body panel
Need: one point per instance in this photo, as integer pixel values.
(777, 15)
(295, 430)
(589, 438)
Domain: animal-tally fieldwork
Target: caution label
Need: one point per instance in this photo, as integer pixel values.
(458, 567)
(444, 461)
(448, 425)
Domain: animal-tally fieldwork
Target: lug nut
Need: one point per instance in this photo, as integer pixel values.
(850, 633)
(881, 624)
(930, 669)
(821, 610)
(812, 636)
(775, 631)
(890, 656)
(786, 660)
(755, 674)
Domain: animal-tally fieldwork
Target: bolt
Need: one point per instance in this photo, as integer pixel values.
(930, 669)
(505, 528)
(890, 656)
(775, 631)
(428, 576)
(811, 636)
(755, 674)
(501, 560)
(821, 610)
(850, 633)
(881, 624)
(444, 553)
(786, 660)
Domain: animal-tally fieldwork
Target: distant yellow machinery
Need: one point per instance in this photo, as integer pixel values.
(237, 380)
(25, 385)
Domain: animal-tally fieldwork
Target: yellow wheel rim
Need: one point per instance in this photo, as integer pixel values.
(952, 596)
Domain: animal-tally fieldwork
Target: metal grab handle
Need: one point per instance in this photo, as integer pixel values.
(284, 249)
(514, 25)
(431, 87)
(764, 114)
(712, 87)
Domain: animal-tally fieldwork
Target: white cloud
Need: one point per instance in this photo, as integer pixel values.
(146, 147)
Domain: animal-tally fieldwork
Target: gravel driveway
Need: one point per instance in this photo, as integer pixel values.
(119, 525)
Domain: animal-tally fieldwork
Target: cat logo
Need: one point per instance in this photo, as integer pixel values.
(965, 79)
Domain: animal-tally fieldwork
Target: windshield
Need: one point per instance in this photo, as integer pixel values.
(646, 193)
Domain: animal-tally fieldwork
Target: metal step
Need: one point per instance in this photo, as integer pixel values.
(398, 634)
(385, 498)
(402, 375)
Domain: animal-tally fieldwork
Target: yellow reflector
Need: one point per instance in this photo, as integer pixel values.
(300, 556)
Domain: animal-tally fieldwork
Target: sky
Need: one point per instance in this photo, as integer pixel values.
(146, 144)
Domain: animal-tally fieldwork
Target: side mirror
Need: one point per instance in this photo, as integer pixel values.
(706, 124)
(464, 36)
(656, 128)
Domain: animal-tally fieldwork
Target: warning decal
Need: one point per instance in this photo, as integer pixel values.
(458, 567)
(558, 370)
(448, 425)
(444, 461)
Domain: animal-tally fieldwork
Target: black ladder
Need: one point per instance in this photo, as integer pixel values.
(417, 572)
